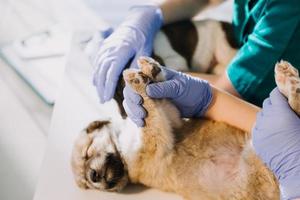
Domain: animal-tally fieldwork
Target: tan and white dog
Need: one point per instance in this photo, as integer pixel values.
(198, 159)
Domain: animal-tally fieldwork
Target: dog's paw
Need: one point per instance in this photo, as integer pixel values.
(150, 71)
(288, 82)
(136, 79)
(151, 68)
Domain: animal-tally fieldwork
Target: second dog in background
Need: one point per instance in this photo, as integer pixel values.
(205, 46)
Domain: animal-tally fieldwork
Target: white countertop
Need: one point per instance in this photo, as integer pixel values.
(77, 105)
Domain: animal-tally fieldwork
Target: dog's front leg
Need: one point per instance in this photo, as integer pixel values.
(162, 116)
(154, 163)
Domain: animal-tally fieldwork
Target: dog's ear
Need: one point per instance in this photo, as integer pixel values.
(96, 125)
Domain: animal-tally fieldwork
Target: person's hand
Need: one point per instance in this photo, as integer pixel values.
(131, 39)
(192, 96)
(97, 39)
(276, 139)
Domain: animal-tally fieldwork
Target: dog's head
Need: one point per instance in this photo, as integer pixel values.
(96, 161)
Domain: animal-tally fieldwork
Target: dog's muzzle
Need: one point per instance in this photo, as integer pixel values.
(112, 175)
(114, 171)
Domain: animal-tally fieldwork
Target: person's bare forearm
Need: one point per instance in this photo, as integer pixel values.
(176, 10)
(232, 110)
(228, 108)
(211, 78)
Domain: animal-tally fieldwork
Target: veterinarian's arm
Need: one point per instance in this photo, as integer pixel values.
(232, 110)
(194, 98)
(219, 81)
(176, 10)
(273, 38)
(276, 139)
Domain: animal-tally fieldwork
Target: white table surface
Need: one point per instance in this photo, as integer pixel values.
(77, 105)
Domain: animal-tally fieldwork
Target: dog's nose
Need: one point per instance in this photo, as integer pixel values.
(95, 176)
(111, 184)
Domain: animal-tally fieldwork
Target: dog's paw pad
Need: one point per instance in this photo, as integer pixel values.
(150, 67)
(288, 82)
(137, 80)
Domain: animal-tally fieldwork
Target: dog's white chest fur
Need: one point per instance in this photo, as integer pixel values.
(129, 139)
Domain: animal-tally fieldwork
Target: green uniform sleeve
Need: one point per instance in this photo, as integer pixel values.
(264, 46)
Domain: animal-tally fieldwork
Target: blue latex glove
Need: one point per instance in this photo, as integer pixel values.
(276, 139)
(192, 96)
(96, 41)
(133, 38)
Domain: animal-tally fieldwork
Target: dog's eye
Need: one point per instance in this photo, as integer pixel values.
(95, 176)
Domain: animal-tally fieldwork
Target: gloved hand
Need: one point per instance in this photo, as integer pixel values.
(93, 45)
(192, 96)
(276, 139)
(132, 39)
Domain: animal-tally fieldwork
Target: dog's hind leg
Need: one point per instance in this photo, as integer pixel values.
(288, 82)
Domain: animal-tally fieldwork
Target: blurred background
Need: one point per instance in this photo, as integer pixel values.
(35, 37)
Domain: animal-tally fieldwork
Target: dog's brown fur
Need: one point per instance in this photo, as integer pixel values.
(213, 161)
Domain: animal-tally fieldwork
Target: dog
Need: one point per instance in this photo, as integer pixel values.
(198, 159)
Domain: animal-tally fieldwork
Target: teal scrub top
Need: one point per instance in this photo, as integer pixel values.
(267, 31)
